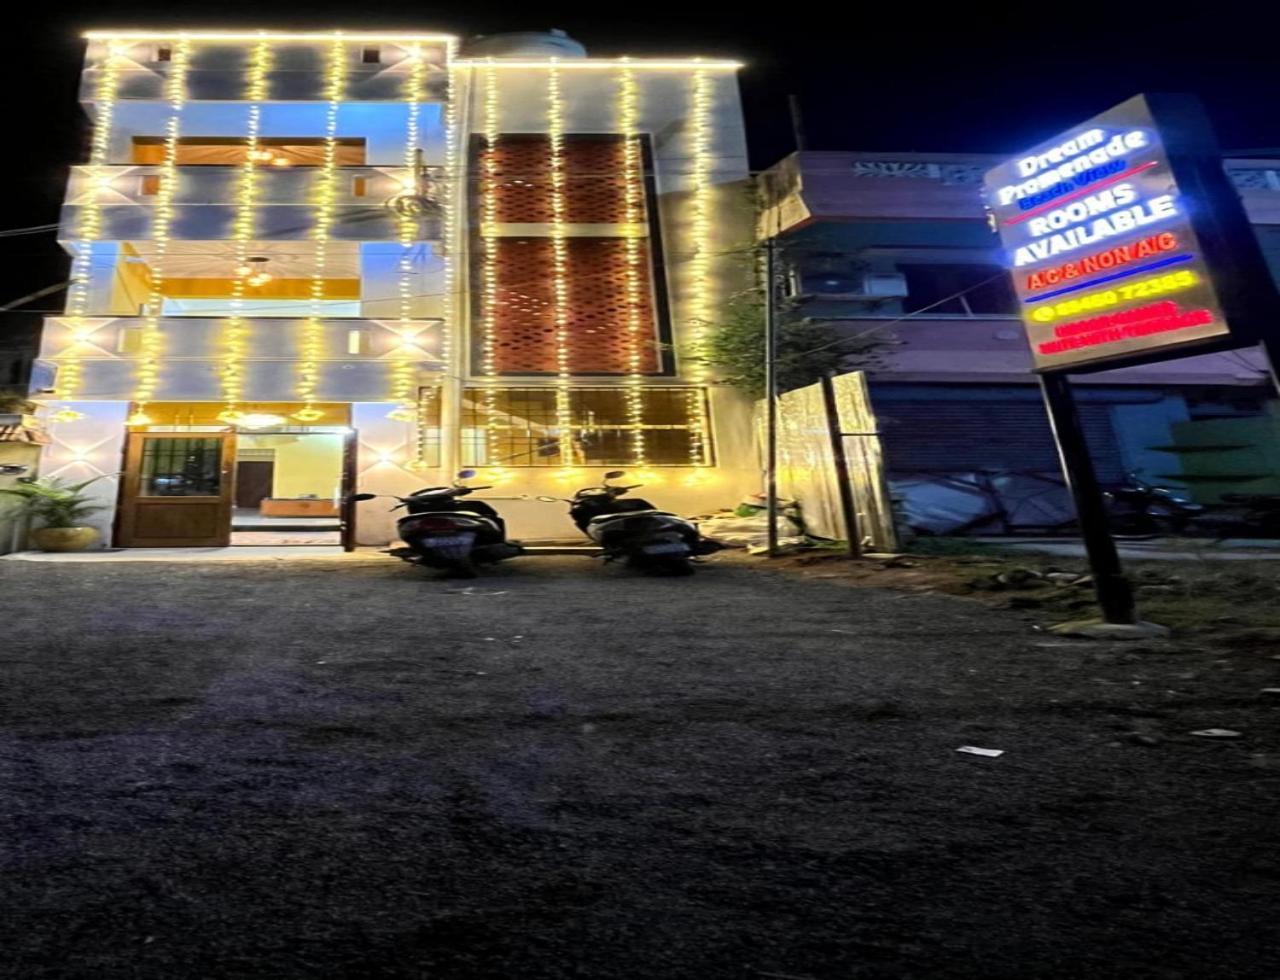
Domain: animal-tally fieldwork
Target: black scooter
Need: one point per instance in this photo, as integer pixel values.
(651, 540)
(445, 532)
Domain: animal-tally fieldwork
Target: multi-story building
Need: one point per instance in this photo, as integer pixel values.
(894, 249)
(310, 263)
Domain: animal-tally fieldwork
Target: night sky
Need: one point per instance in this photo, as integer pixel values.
(884, 77)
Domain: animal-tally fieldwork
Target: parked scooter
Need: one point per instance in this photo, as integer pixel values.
(443, 531)
(649, 539)
(1138, 507)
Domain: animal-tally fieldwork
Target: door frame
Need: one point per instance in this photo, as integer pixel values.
(131, 478)
(347, 506)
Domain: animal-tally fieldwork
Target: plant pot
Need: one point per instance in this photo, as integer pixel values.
(64, 538)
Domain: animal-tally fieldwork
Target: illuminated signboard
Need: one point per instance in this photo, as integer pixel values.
(1103, 242)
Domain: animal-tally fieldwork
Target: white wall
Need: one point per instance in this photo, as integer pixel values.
(90, 447)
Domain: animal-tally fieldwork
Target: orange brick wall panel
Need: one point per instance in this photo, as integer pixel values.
(595, 188)
(599, 342)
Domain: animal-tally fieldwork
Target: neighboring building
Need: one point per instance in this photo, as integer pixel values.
(897, 247)
(310, 263)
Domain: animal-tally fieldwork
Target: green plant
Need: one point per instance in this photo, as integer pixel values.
(11, 404)
(52, 502)
(806, 349)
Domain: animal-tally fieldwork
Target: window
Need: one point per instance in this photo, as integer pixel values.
(371, 56)
(149, 185)
(359, 186)
(231, 151)
(963, 290)
(522, 429)
(181, 468)
(164, 53)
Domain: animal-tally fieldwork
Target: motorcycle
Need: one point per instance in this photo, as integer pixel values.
(648, 539)
(443, 531)
(1138, 507)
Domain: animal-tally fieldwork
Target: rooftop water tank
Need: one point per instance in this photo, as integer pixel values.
(524, 44)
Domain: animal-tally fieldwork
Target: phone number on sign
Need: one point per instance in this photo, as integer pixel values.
(1143, 289)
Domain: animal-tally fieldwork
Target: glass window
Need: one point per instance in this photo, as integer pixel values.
(520, 426)
(181, 468)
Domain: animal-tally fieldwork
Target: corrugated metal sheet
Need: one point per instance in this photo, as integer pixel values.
(942, 435)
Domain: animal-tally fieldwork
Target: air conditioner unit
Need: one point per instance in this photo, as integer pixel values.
(884, 285)
(44, 378)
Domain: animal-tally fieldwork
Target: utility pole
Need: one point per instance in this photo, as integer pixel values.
(797, 121)
(771, 393)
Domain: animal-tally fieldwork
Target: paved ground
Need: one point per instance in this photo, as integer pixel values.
(331, 769)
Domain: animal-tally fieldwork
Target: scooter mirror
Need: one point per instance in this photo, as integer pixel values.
(466, 474)
(363, 496)
(615, 474)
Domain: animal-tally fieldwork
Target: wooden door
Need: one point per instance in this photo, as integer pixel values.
(254, 480)
(177, 490)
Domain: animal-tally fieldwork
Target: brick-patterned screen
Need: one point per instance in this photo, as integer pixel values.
(593, 167)
(525, 330)
(598, 339)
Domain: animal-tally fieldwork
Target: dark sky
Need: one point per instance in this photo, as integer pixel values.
(886, 76)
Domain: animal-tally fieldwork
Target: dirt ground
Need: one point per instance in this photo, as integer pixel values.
(349, 769)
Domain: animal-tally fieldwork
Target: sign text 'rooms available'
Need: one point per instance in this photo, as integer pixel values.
(1100, 242)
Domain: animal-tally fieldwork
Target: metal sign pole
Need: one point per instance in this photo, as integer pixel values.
(771, 398)
(1115, 595)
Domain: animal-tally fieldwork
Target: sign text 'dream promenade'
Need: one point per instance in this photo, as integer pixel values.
(1100, 242)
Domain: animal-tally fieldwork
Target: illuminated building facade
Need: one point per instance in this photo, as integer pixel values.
(507, 256)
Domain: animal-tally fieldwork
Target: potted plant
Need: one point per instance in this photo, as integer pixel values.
(59, 507)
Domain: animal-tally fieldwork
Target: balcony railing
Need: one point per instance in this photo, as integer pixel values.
(207, 199)
(355, 359)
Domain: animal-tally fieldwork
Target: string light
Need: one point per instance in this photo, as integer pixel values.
(335, 78)
(151, 342)
(489, 276)
(449, 233)
(236, 330)
(560, 260)
(70, 372)
(633, 196)
(698, 269)
(404, 361)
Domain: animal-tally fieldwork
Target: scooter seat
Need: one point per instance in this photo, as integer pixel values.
(606, 518)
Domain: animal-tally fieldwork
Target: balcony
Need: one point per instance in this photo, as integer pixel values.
(206, 198)
(994, 350)
(355, 361)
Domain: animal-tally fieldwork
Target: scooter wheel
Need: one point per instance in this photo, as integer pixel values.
(671, 567)
(465, 568)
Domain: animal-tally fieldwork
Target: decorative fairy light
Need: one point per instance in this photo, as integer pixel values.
(699, 262)
(451, 189)
(236, 330)
(335, 77)
(560, 260)
(152, 338)
(69, 367)
(489, 274)
(633, 199)
(404, 372)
